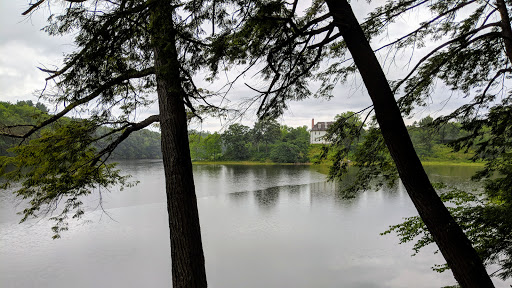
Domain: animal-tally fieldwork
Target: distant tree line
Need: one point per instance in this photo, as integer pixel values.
(266, 141)
(425, 135)
(143, 144)
(431, 141)
(14, 116)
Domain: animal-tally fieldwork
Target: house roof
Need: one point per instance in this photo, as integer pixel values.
(321, 126)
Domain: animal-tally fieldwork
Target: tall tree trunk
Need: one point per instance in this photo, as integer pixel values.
(463, 260)
(186, 247)
(506, 30)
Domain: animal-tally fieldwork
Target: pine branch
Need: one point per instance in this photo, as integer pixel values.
(425, 25)
(129, 130)
(461, 39)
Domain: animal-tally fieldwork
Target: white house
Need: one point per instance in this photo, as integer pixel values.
(317, 132)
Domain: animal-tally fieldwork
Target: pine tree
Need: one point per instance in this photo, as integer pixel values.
(127, 51)
(472, 55)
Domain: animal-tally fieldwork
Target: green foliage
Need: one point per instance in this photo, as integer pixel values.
(315, 154)
(236, 140)
(205, 146)
(353, 146)
(213, 145)
(485, 217)
(57, 169)
(486, 222)
(142, 144)
(298, 137)
(264, 133)
(15, 118)
(345, 133)
(285, 152)
(430, 138)
(424, 136)
(267, 141)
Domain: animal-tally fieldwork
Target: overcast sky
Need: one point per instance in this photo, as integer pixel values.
(23, 47)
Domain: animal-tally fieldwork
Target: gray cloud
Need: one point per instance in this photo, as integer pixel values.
(23, 47)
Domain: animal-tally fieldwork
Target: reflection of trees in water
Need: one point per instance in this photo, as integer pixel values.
(337, 192)
(142, 166)
(334, 192)
(239, 197)
(208, 170)
(294, 191)
(325, 194)
(237, 171)
(331, 192)
(451, 171)
(267, 198)
(456, 176)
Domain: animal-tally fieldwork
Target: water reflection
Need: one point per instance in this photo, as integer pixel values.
(239, 197)
(267, 198)
(459, 176)
(305, 194)
(209, 170)
(262, 226)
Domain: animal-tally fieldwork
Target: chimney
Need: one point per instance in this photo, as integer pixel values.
(312, 123)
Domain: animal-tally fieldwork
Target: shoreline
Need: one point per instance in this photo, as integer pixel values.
(247, 163)
(259, 163)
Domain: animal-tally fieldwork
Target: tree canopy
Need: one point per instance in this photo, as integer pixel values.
(472, 54)
(128, 50)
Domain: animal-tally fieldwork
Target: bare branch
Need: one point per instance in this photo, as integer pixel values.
(38, 3)
(315, 21)
(327, 40)
(498, 74)
(133, 127)
(32, 7)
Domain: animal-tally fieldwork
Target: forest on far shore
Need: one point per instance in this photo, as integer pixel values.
(266, 141)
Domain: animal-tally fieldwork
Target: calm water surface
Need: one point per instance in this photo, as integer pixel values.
(262, 226)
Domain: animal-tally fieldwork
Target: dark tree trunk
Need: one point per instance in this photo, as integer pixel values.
(451, 240)
(186, 247)
(505, 27)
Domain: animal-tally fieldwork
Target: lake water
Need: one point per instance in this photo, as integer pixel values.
(262, 226)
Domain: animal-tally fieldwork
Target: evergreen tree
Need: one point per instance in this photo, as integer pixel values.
(126, 52)
(299, 43)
